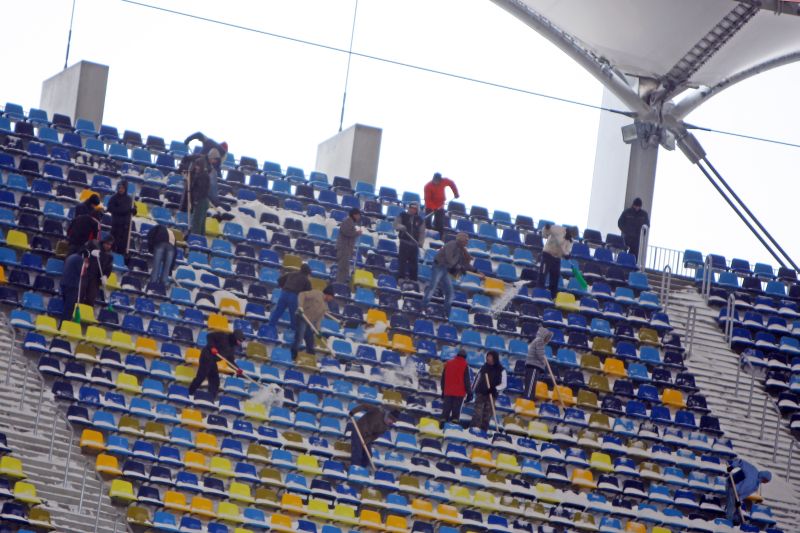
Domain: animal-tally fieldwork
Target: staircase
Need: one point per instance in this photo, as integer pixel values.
(65, 479)
(760, 436)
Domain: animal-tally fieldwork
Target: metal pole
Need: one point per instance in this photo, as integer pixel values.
(763, 415)
(750, 398)
(777, 434)
(99, 502)
(83, 488)
(789, 460)
(738, 373)
(666, 286)
(10, 362)
(24, 385)
(38, 410)
(642, 251)
(730, 312)
(52, 436)
(69, 457)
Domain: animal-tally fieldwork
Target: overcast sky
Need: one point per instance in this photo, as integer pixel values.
(276, 100)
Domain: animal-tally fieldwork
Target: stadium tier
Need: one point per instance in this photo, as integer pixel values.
(623, 442)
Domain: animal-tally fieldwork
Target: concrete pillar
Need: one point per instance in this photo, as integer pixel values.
(78, 92)
(353, 153)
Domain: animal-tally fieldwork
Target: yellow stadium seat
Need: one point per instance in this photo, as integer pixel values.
(267, 498)
(525, 407)
(122, 341)
(257, 452)
(138, 516)
(256, 411)
(318, 508)
(86, 194)
(364, 278)
(650, 470)
(256, 350)
(379, 339)
(221, 466)
(184, 374)
(564, 394)
(26, 492)
(516, 425)
(191, 356)
(599, 421)
(599, 383)
(155, 431)
(403, 343)
(92, 441)
(659, 529)
(271, 476)
(306, 360)
(206, 442)
(376, 315)
(219, 322)
(482, 457)
(542, 391)
(240, 492)
(113, 282)
(11, 467)
(107, 465)
(583, 478)
(280, 522)
(85, 351)
(231, 306)
(346, 514)
(128, 383)
(195, 462)
(649, 336)
(601, 461)
(508, 462)
(673, 398)
(97, 335)
(192, 418)
(547, 493)
(396, 524)
(142, 210)
(308, 464)
(71, 330)
(213, 228)
(429, 426)
(584, 521)
(202, 507)
(635, 527)
(614, 367)
(485, 500)
(590, 363)
(423, 509)
(587, 399)
(46, 324)
(129, 424)
(566, 302)
(87, 314)
(539, 430)
(370, 519)
(121, 491)
(175, 501)
(460, 495)
(493, 286)
(292, 262)
(147, 346)
(17, 239)
(3, 275)
(435, 368)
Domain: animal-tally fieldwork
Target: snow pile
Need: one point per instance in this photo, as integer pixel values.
(504, 299)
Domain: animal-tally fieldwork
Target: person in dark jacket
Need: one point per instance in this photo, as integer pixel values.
(291, 284)
(218, 343)
(490, 381)
(87, 207)
(630, 224)
(161, 243)
(456, 384)
(373, 423)
(81, 230)
(536, 363)
(196, 170)
(215, 152)
(451, 260)
(411, 231)
(346, 244)
(122, 209)
(99, 267)
(70, 283)
(748, 478)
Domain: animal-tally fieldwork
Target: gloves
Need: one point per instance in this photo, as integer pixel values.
(214, 351)
(239, 372)
(400, 227)
(493, 391)
(456, 196)
(730, 468)
(133, 210)
(104, 280)
(95, 253)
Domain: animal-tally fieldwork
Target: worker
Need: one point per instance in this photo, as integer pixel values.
(218, 344)
(434, 201)
(373, 423)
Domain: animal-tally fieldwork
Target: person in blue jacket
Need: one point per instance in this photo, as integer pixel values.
(747, 478)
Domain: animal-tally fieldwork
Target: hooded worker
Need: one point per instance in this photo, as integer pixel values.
(630, 224)
(487, 386)
(346, 244)
(411, 233)
(88, 206)
(219, 344)
(373, 423)
(122, 209)
(536, 361)
(456, 385)
(748, 478)
(99, 267)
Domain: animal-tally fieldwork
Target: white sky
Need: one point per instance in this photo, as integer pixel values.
(276, 100)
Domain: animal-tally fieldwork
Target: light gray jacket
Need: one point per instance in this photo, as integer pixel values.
(348, 235)
(536, 354)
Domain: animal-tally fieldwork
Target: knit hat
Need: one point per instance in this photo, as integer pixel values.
(305, 269)
(637, 202)
(329, 291)
(463, 237)
(765, 476)
(462, 353)
(214, 154)
(224, 146)
(124, 184)
(93, 200)
(238, 335)
(108, 238)
(354, 211)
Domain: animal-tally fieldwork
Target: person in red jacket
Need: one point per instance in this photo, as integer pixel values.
(456, 384)
(434, 202)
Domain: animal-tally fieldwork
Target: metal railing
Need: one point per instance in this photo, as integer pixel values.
(641, 253)
(666, 287)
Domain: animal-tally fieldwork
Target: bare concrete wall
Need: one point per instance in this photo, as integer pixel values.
(78, 92)
(353, 153)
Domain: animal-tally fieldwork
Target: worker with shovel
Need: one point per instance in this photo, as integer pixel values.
(411, 231)
(219, 345)
(487, 386)
(312, 306)
(373, 423)
(744, 479)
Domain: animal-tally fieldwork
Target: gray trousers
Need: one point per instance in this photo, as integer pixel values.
(483, 412)
(343, 260)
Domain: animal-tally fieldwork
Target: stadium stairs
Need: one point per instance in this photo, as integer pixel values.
(30, 439)
(714, 366)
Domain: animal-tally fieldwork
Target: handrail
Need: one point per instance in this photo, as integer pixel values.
(5, 322)
(666, 287)
(641, 253)
(730, 311)
(691, 323)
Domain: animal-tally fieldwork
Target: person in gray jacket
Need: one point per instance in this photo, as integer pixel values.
(411, 232)
(451, 260)
(346, 244)
(536, 363)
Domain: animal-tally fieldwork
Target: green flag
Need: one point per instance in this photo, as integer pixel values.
(578, 276)
(76, 316)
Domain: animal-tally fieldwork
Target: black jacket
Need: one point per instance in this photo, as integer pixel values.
(294, 282)
(157, 235)
(495, 373)
(198, 168)
(414, 228)
(223, 342)
(86, 207)
(82, 229)
(121, 208)
(372, 424)
(630, 223)
(208, 144)
(98, 266)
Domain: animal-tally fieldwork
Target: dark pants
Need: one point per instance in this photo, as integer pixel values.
(207, 370)
(633, 245)
(120, 234)
(70, 297)
(358, 455)
(531, 374)
(302, 332)
(407, 260)
(451, 408)
(197, 222)
(435, 221)
(549, 273)
(90, 288)
(483, 412)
